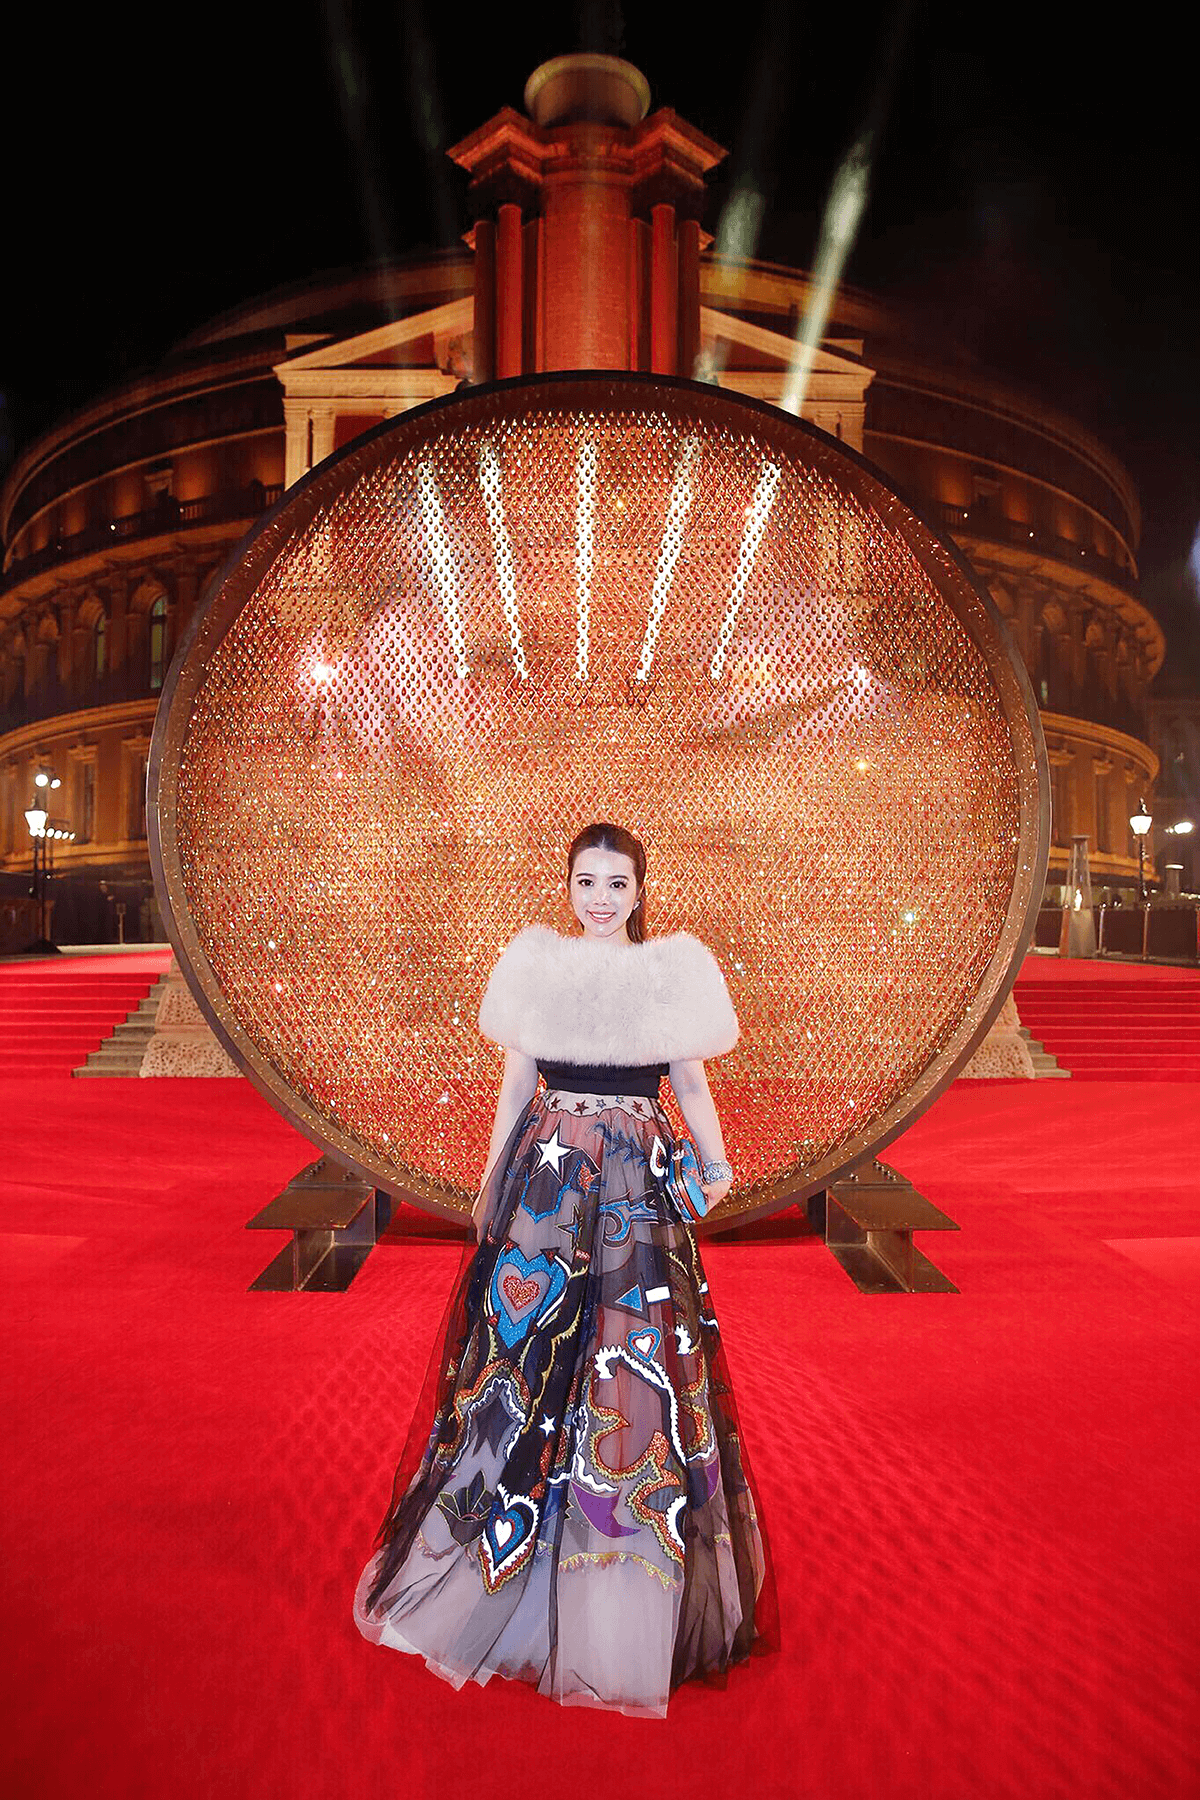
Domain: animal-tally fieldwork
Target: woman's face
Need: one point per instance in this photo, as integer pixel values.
(603, 892)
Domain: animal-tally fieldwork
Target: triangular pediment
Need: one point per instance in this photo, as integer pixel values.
(371, 348)
(776, 347)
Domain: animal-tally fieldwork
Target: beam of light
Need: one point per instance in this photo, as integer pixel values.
(668, 556)
(585, 475)
(741, 221)
(444, 575)
(843, 213)
(756, 524)
(425, 112)
(491, 481)
(839, 228)
(766, 116)
(353, 99)
(737, 240)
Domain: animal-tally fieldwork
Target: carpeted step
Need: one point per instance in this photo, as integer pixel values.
(1059, 1001)
(1079, 1030)
(50, 1044)
(1109, 1002)
(1119, 1072)
(1126, 1006)
(1102, 1026)
(1157, 1043)
(65, 992)
(52, 1019)
(85, 1010)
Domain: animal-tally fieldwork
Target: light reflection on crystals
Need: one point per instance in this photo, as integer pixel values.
(385, 759)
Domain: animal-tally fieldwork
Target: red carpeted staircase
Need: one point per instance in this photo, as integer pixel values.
(1107, 1022)
(53, 1014)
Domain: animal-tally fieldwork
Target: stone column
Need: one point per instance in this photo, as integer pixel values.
(322, 433)
(510, 322)
(484, 325)
(664, 291)
(689, 296)
(296, 434)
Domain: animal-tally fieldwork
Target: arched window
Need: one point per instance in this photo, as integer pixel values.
(100, 646)
(158, 642)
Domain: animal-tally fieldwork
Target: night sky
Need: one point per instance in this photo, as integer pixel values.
(1034, 193)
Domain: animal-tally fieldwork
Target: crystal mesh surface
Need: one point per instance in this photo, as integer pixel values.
(509, 616)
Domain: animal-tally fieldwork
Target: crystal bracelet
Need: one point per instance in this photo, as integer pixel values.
(716, 1171)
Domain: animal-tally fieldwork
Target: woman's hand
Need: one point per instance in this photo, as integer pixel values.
(715, 1192)
(700, 1115)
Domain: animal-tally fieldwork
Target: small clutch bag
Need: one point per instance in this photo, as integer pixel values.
(683, 1184)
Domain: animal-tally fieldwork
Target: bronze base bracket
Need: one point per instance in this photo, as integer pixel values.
(868, 1218)
(336, 1220)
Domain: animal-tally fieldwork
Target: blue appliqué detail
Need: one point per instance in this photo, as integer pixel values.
(619, 1215)
(644, 1341)
(523, 1290)
(631, 1297)
(507, 1536)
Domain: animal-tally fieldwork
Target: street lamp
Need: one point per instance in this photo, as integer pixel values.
(44, 832)
(1140, 823)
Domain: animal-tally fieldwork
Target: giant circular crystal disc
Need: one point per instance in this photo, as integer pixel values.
(542, 603)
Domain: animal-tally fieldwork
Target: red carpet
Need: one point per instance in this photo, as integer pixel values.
(981, 1506)
(55, 1012)
(1114, 1021)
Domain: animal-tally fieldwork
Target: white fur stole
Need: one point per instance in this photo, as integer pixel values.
(582, 1000)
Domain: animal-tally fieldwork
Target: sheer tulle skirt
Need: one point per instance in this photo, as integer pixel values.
(574, 1508)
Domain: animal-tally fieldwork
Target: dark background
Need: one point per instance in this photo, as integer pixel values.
(1033, 194)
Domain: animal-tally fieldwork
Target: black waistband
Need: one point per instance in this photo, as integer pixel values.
(603, 1078)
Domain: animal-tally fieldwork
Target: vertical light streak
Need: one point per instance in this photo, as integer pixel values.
(668, 556)
(585, 474)
(491, 481)
(756, 524)
(737, 240)
(844, 209)
(444, 575)
(839, 228)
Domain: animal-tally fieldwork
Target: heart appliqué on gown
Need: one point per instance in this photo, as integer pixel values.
(524, 1290)
(508, 1538)
(644, 1340)
(521, 1291)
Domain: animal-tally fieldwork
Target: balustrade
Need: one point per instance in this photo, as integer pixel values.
(166, 516)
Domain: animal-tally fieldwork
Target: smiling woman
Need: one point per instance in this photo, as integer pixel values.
(577, 1512)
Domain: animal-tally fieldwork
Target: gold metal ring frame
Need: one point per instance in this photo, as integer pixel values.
(540, 603)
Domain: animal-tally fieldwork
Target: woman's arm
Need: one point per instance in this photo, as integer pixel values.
(696, 1104)
(516, 1091)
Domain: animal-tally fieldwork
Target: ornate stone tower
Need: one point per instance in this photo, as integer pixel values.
(587, 237)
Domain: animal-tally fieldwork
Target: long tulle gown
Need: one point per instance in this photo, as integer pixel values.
(573, 1508)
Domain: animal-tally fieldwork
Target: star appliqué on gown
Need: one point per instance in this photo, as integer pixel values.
(552, 1153)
